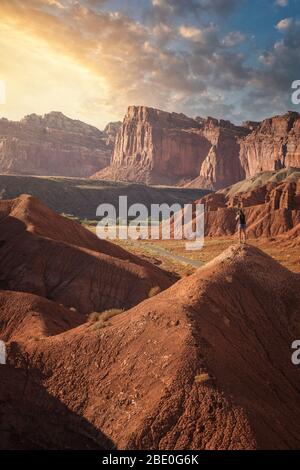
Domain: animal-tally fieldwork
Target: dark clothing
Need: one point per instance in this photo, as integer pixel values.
(242, 218)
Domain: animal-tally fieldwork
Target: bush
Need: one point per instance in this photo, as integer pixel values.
(101, 318)
(100, 324)
(94, 316)
(202, 378)
(154, 291)
(107, 314)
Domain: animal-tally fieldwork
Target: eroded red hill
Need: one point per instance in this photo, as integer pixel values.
(26, 317)
(205, 364)
(47, 255)
(271, 203)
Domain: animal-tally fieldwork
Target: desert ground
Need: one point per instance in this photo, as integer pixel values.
(212, 247)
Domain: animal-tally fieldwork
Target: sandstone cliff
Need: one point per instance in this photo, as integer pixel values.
(157, 147)
(111, 130)
(154, 146)
(53, 145)
(272, 145)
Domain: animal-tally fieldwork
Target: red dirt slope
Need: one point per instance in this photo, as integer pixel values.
(27, 316)
(205, 364)
(37, 218)
(47, 255)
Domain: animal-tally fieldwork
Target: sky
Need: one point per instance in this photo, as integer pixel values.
(91, 59)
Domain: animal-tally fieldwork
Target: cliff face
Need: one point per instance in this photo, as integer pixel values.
(111, 131)
(157, 147)
(52, 145)
(222, 165)
(154, 146)
(150, 146)
(274, 144)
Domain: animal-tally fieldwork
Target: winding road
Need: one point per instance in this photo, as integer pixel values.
(168, 254)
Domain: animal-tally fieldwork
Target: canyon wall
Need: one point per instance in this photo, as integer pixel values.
(53, 145)
(154, 146)
(158, 147)
(274, 144)
(150, 146)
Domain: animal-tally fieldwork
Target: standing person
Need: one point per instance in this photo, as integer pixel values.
(241, 218)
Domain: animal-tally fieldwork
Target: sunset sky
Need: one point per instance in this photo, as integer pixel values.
(90, 59)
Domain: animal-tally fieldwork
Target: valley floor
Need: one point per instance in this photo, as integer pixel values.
(172, 255)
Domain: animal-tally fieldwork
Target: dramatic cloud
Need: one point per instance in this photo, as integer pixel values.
(90, 62)
(280, 67)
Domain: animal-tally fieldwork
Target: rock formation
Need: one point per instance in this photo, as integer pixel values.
(111, 130)
(206, 364)
(150, 146)
(274, 144)
(53, 257)
(53, 145)
(271, 203)
(157, 147)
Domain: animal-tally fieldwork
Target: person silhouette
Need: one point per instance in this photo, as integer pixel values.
(241, 218)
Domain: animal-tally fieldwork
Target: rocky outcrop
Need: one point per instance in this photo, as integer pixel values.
(222, 166)
(272, 145)
(271, 204)
(150, 145)
(53, 145)
(111, 131)
(157, 147)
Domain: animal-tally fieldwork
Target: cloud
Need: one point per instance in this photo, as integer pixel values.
(233, 38)
(95, 62)
(128, 57)
(284, 24)
(267, 58)
(190, 32)
(282, 3)
(204, 36)
(280, 67)
(165, 10)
